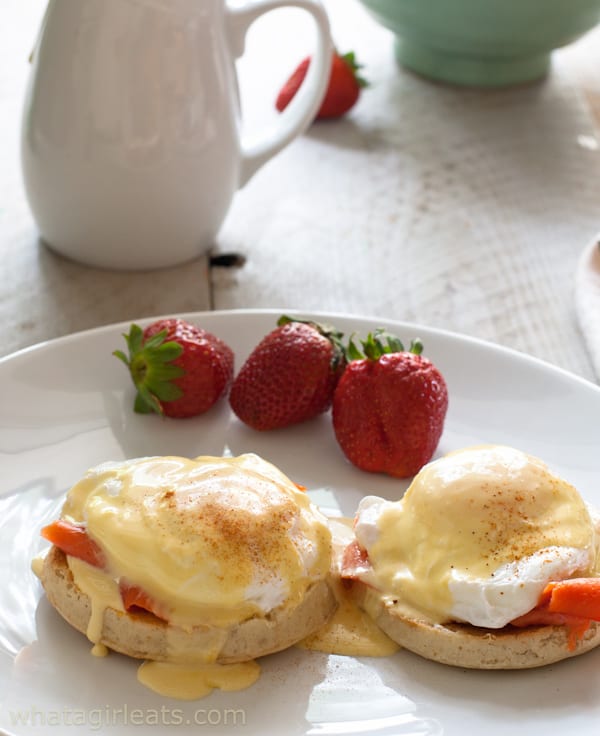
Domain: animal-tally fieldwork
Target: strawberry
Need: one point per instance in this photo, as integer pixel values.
(389, 406)
(179, 370)
(290, 376)
(342, 92)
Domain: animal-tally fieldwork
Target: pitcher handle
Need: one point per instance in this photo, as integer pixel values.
(301, 111)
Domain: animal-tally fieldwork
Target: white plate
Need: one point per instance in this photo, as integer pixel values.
(66, 405)
(587, 299)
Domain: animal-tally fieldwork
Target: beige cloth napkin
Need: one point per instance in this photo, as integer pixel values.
(587, 299)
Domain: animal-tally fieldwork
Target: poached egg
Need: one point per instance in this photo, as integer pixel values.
(213, 540)
(476, 538)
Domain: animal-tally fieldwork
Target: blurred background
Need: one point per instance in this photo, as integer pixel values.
(461, 208)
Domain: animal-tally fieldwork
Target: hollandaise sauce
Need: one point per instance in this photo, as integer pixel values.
(191, 682)
(37, 565)
(177, 679)
(103, 593)
(350, 631)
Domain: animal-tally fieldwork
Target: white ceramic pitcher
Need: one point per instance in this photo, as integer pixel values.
(131, 143)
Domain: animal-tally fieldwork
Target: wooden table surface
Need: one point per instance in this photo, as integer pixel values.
(456, 208)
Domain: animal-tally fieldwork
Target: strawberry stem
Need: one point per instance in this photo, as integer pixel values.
(350, 59)
(150, 364)
(380, 342)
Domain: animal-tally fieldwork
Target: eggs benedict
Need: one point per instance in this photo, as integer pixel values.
(470, 568)
(189, 561)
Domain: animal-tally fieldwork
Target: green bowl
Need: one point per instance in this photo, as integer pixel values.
(485, 43)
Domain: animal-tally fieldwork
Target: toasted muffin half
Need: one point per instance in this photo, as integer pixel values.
(142, 635)
(472, 647)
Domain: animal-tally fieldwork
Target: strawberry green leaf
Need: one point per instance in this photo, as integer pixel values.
(149, 400)
(168, 352)
(162, 389)
(155, 341)
(134, 339)
(394, 345)
(142, 406)
(121, 356)
(372, 348)
(416, 346)
(352, 352)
